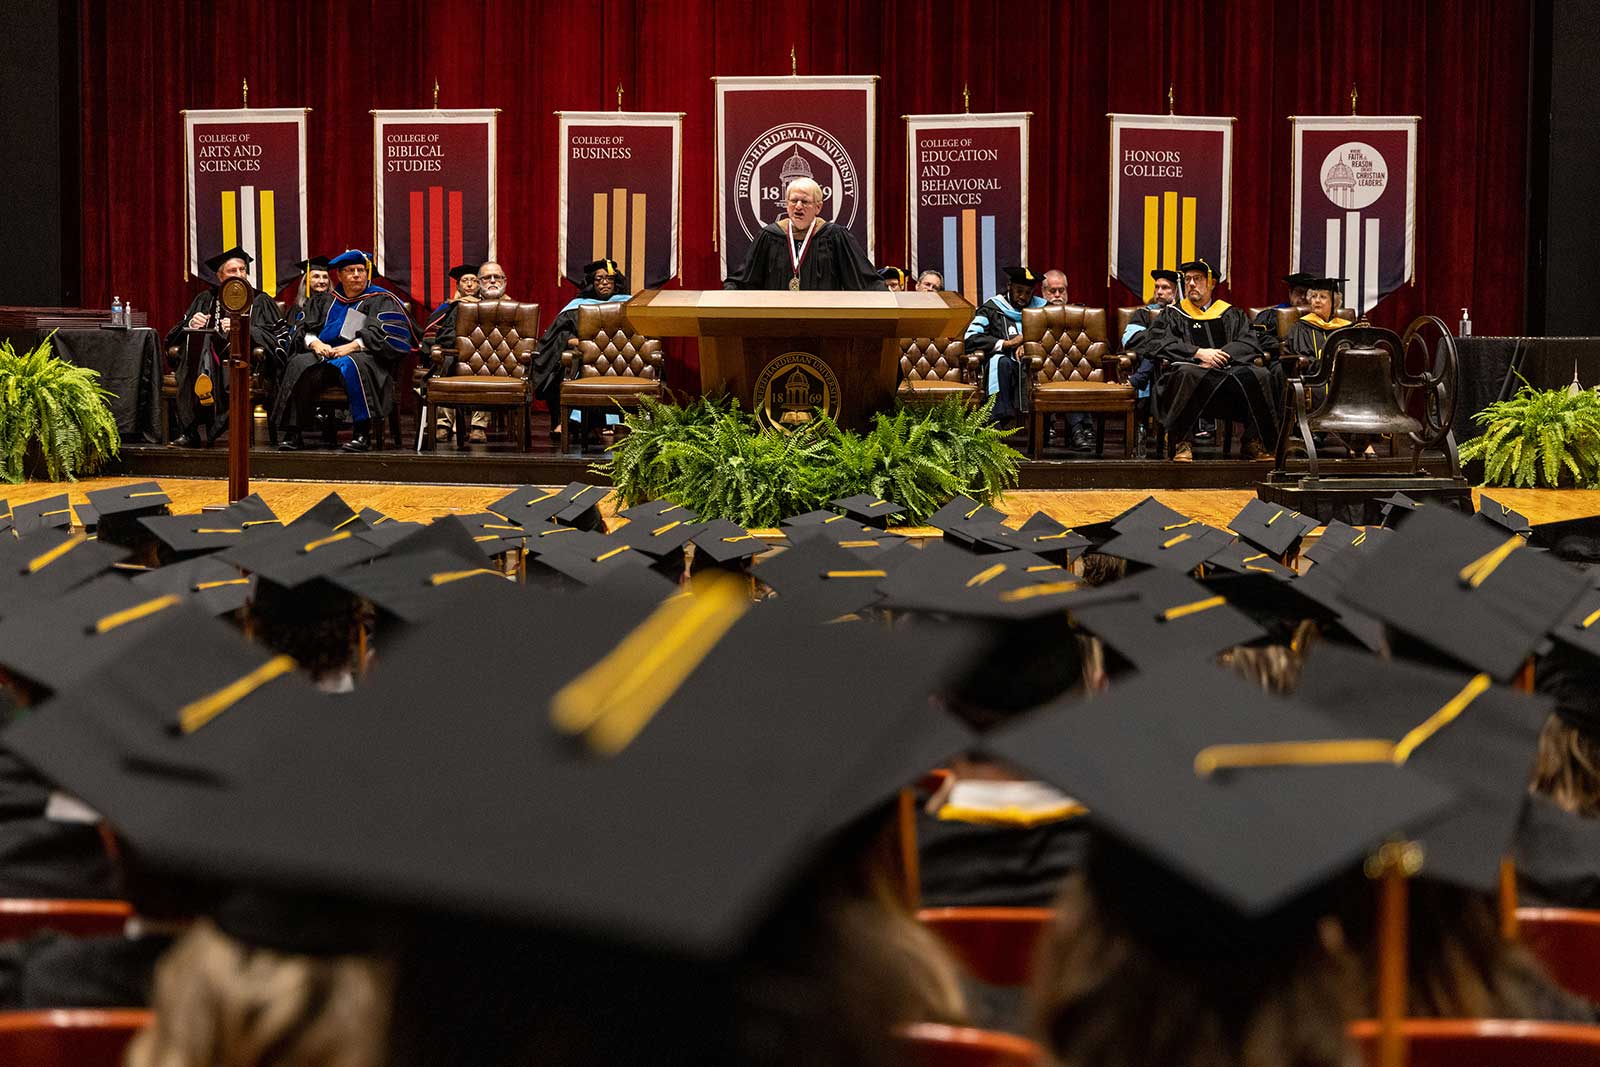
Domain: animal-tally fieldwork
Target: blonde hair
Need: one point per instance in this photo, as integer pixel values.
(807, 186)
(221, 1003)
(1568, 768)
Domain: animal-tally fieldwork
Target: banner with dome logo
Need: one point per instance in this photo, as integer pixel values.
(773, 130)
(1354, 202)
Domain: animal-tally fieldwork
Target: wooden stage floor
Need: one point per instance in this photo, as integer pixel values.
(421, 502)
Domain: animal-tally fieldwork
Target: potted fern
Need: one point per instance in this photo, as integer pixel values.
(1540, 437)
(54, 419)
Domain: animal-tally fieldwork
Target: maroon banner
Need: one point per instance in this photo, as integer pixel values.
(247, 187)
(1354, 198)
(968, 194)
(434, 197)
(1171, 191)
(620, 175)
(773, 130)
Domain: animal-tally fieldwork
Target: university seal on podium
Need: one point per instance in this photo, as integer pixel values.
(792, 388)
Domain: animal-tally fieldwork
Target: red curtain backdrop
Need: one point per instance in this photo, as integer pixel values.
(1462, 66)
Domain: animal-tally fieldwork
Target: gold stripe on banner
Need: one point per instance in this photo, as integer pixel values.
(1190, 205)
(1169, 229)
(1152, 243)
(268, 240)
(636, 242)
(619, 225)
(230, 218)
(601, 214)
(969, 256)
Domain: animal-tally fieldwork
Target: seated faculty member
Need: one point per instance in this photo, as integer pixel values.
(895, 279)
(603, 283)
(353, 336)
(995, 337)
(1209, 350)
(1309, 337)
(930, 281)
(1079, 423)
(802, 250)
(314, 280)
(439, 345)
(202, 376)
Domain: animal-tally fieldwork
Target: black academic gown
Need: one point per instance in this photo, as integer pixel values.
(1558, 857)
(439, 338)
(54, 970)
(547, 370)
(832, 261)
(1184, 388)
(999, 369)
(386, 337)
(1139, 348)
(40, 857)
(267, 332)
(1309, 337)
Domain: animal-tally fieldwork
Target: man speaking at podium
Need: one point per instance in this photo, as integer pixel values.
(803, 251)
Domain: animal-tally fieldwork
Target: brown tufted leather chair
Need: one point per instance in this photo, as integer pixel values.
(1071, 369)
(932, 368)
(495, 344)
(608, 365)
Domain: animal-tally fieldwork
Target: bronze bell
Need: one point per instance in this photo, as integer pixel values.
(1361, 396)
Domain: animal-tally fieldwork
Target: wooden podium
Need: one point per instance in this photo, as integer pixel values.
(786, 354)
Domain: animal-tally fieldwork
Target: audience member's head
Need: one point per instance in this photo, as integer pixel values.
(930, 281)
(894, 279)
(492, 281)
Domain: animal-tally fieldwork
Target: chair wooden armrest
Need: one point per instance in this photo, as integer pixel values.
(653, 355)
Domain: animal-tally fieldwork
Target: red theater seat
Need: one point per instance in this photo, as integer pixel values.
(68, 1038)
(995, 944)
(1487, 1043)
(937, 1045)
(1567, 942)
(21, 917)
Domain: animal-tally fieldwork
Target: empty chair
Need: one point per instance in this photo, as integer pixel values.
(68, 1038)
(932, 368)
(937, 1045)
(1487, 1043)
(995, 945)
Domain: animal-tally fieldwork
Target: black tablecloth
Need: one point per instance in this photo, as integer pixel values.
(129, 362)
(1547, 363)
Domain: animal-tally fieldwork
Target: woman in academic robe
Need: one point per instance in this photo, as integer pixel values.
(1309, 336)
(803, 251)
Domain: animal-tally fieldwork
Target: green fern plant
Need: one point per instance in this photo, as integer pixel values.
(1536, 436)
(58, 405)
(716, 459)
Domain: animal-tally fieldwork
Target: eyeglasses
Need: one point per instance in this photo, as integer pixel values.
(491, 277)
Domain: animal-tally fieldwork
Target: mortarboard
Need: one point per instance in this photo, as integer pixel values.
(1463, 590)
(1241, 557)
(660, 536)
(331, 511)
(601, 266)
(943, 580)
(819, 581)
(1172, 619)
(1169, 275)
(1200, 266)
(1502, 517)
(577, 504)
(62, 640)
(464, 269)
(1044, 536)
(53, 512)
(726, 543)
(40, 566)
(300, 553)
(1273, 528)
(316, 263)
(214, 264)
(1461, 730)
(351, 257)
(1179, 547)
(1337, 537)
(417, 586)
(894, 274)
(388, 532)
(1147, 512)
(1324, 584)
(822, 517)
(1150, 760)
(1331, 285)
(1021, 276)
(493, 534)
(658, 509)
(963, 508)
(1299, 280)
(584, 557)
(869, 510)
(209, 584)
(251, 511)
(210, 531)
(447, 533)
(1397, 509)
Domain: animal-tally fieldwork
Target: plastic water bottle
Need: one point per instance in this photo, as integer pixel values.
(116, 311)
(1466, 324)
(127, 314)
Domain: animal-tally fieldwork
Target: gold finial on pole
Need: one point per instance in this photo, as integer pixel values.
(619, 96)
(436, 94)
(1172, 107)
(794, 63)
(966, 99)
(245, 85)
(1353, 95)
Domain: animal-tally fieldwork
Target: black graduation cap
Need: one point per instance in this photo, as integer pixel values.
(462, 270)
(417, 586)
(59, 641)
(893, 273)
(658, 509)
(660, 536)
(601, 266)
(388, 532)
(964, 509)
(214, 264)
(726, 543)
(1477, 738)
(1151, 760)
(577, 504)
(1276, 602)
(316, 263)
(1147, 512)
(1501, 516)
(822, 517)
(1324, 584)
(53, 512)
(137, 499)
(1170, 275)
(300, 553)
(584, 557)
(1241, 557)
(1331, 285)
(40, 566)
(1179, 547)
(1044, 536)
(819, 581)
(209, 585)
(1337, 537)
(679, 815)
(331, 511)
(1299, 280)
(251, 511)
(493, 534)
(1021, 275)
(194, 535)
(1173, 619)
(1397, 509)
(1202, 267)
(944, 580)
(981, 536)
(1272, 528)
(1463, 590)
(446, 533)
(869, 510)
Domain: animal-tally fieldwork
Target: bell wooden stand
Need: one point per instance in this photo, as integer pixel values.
(857, 334)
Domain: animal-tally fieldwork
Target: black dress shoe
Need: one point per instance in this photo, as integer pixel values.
(1083, 439)
(292, 442)
(359, 443)
(186, 440)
